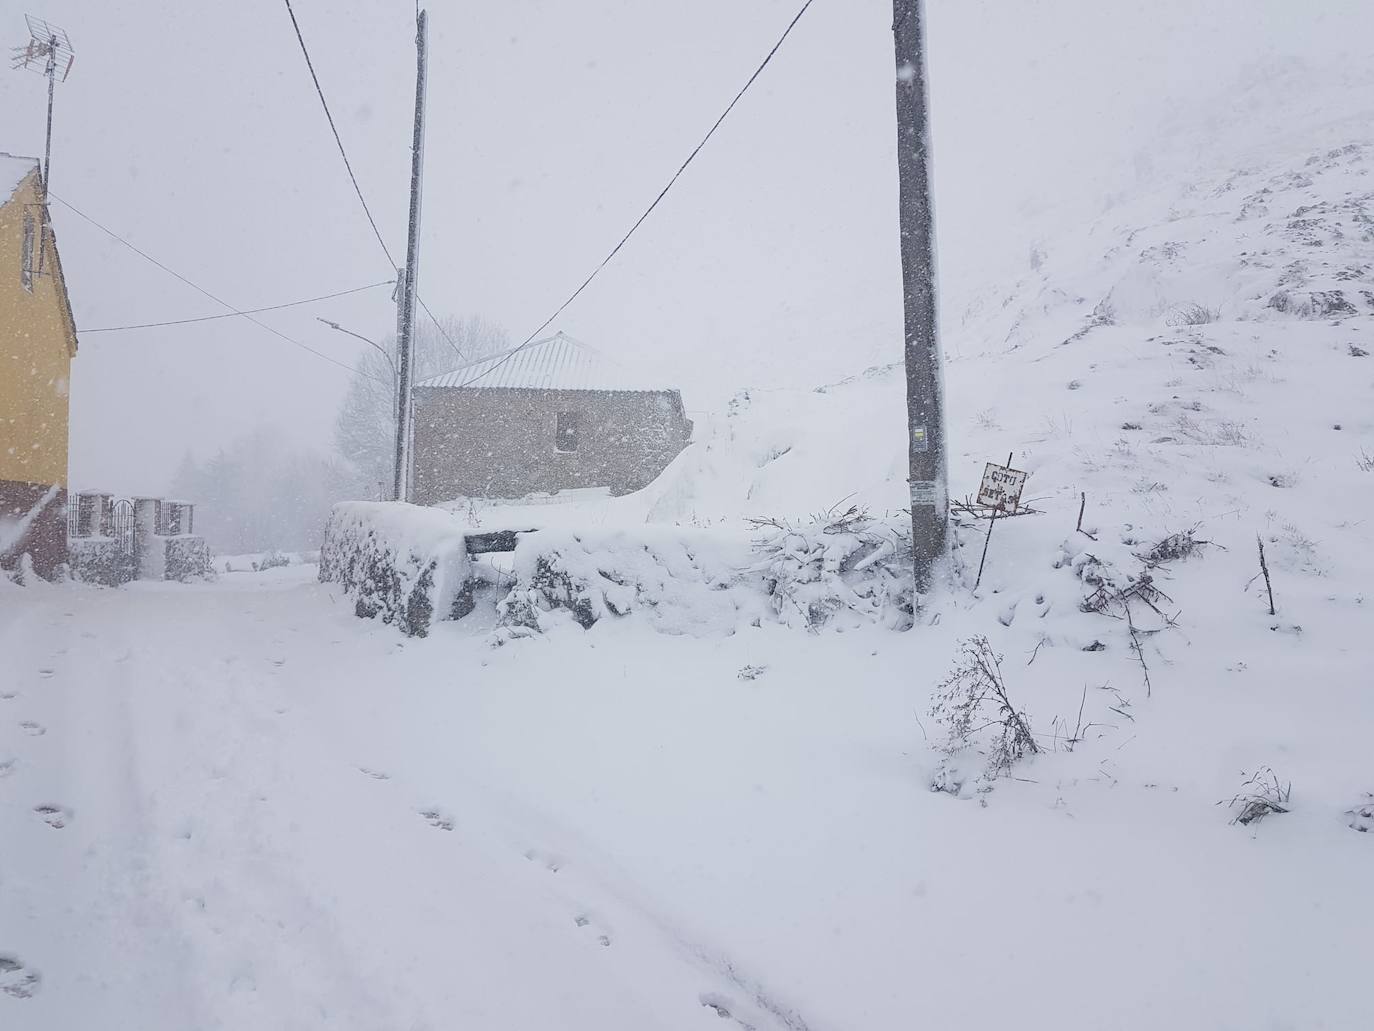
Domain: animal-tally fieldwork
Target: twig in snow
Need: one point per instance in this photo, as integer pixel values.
(1139, 651)
(1264, 569)
(1082, 506)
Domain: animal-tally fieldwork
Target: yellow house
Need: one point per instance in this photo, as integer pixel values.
(37, 344)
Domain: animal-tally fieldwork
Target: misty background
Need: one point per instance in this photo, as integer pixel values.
(193, 131)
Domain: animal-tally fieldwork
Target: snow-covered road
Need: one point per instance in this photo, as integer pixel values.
(235, 805)
(212, 860)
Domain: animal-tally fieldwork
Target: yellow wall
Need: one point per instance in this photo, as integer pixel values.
(37, 342)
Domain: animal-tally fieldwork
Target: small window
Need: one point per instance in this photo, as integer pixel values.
(26, 260)
(568, 435)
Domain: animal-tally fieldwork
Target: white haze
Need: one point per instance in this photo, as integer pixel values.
(194, 131)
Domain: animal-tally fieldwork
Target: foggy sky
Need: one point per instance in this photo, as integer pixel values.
(193, 129)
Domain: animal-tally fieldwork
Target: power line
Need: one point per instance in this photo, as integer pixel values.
(199, 289)
(246, 311)
(439, 326)
(333, 128)
(356, 188)
(649, 210)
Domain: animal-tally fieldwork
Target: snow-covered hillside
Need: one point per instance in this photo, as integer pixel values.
(237, 805)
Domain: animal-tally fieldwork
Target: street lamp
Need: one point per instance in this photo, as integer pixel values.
(395, 373)
(370, 343)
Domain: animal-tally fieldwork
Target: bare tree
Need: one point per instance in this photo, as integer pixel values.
(256, 494)
(365, 428)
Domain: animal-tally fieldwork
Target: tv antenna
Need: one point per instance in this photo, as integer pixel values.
(48, 52)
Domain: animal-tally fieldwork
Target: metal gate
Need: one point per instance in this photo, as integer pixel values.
(123, 528)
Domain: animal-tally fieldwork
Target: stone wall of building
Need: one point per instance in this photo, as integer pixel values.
(33, 522)
(504, 443)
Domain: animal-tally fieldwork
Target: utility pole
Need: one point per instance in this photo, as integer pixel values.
(928, 465)
(411, 274)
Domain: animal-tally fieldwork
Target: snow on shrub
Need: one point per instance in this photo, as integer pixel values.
(845, 561)
(100, 560)
(980, 721)
(407, 564)
(187, 559)
(273, 559)
(680, 580)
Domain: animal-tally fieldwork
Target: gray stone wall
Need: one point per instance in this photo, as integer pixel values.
(500, 443)
(45, 538)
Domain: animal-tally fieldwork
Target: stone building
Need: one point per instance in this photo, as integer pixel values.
(37, 344)
(551, 416)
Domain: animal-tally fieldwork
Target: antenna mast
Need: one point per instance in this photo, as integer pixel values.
(49, 53)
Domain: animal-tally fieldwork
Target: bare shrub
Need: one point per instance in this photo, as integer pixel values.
(1176, 546)
(1225, 433)
(975, 711)
(1070, 737)
(987, 419)
(1260, 795)
(1365, 461)
(1191, 314)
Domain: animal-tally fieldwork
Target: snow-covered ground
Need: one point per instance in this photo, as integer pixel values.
(275, 815)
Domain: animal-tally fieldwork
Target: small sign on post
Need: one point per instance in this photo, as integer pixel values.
(1000, 491)
(1001, 487)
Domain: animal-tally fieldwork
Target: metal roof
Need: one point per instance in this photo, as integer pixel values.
(555, 363)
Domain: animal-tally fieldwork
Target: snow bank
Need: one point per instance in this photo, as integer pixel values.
(407, 564)
(682, 581)
(705, 582)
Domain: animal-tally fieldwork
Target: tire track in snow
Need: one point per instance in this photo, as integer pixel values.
(599, 876)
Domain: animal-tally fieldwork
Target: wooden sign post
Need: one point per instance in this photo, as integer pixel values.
(1000, 491)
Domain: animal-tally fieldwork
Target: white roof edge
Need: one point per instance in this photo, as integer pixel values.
(8, 180)
(553, 363)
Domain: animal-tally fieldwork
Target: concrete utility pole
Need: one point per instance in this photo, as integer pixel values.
(925, 408)
(411, 273)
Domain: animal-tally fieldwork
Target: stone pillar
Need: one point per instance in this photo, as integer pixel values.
(149, 549)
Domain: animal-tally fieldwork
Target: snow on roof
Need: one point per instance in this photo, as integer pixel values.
(555, 363)
(13, 171)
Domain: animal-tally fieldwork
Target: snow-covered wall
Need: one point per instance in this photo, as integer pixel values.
(407, 564)
(679, 580)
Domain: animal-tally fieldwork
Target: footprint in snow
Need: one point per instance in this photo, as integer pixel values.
(583, 920)
(32, 729)
(46, 674)
(7, 766)
(16, 980)
(55, 816)
(8, 696)
(720, 1005)
(547, 860)
(374, 774)
(436, 819)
